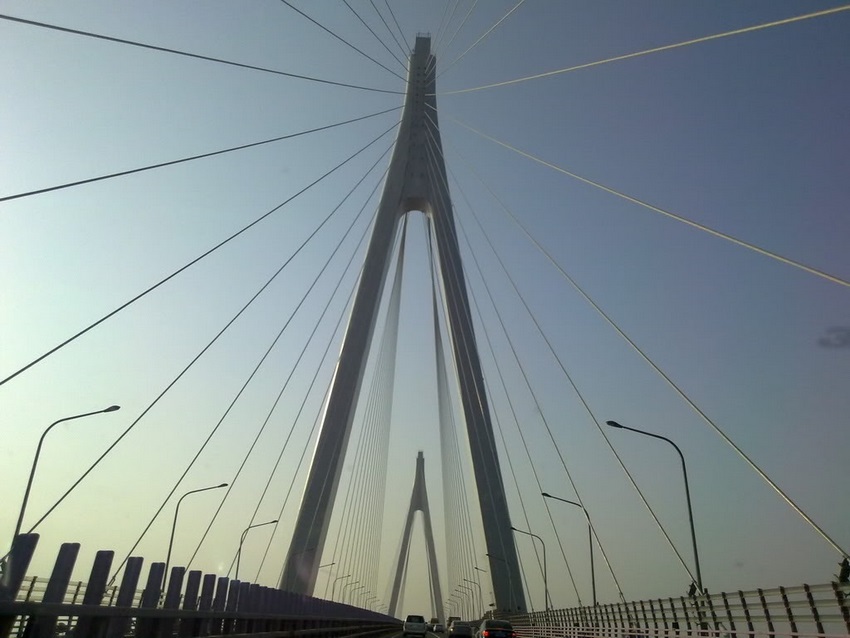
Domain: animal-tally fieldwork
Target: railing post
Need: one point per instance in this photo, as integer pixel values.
(814, 608)
(654, 617)
(76, 593)
(663, 615)
(765, 609)
(219, 604)
(710, 603)
(841, 598)
(747, 614)
(729, 616)
(31, 587)
(189, 626)
(231, 606)
(675, 623)
(686, 615)
(165, 625)
(611, 619)
(243, 605)
(95, 589)
(263, 604)
(146, 627)
(23, 547)
(126, 595)
(788, 611)
(57, 587)
(202, 626)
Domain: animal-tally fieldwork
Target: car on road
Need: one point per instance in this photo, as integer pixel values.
(491, 628)
(460, 630)
(414, 626)
(438, 628)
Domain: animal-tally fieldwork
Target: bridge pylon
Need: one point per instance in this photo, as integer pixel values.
(416, 181)
(418, 503)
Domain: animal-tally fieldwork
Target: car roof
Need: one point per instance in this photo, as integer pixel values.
(492, 622)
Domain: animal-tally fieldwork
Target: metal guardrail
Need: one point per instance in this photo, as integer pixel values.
(192, 604)
(805, 610)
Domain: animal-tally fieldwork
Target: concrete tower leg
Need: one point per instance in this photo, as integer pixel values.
(418, 503)
(416, 180)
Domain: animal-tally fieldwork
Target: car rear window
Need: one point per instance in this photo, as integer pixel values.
(499, 624)
(415, 619)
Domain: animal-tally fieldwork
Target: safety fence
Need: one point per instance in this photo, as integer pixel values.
(191, 603)
(804, 610)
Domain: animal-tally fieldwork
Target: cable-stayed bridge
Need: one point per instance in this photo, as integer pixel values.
(696, 297)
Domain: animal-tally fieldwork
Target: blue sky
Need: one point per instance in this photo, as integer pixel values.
(746, 135)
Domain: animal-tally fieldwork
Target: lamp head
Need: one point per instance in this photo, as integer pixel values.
(613, 424)
(112, 408)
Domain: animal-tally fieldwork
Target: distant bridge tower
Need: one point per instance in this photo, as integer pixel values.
(418, 503)
(416, 181)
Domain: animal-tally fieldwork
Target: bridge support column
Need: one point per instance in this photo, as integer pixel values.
(418, 503)
(416, 180)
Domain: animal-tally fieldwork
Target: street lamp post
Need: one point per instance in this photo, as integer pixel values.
(545, 574)
(333, 587)
(342, 593)
(589, 538)
(354, 589)
(174, 524)
(471, 597)
(483, 571)
(449, 607)
(480, 597)
(111, 408)
(614, 424)
(461, 603)
(242, 540)
(320, 567)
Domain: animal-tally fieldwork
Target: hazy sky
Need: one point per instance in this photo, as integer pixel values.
(745, 134)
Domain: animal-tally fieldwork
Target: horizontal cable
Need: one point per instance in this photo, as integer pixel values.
(197, 56)
(667, 47)
(189, 159)
(716, 233)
